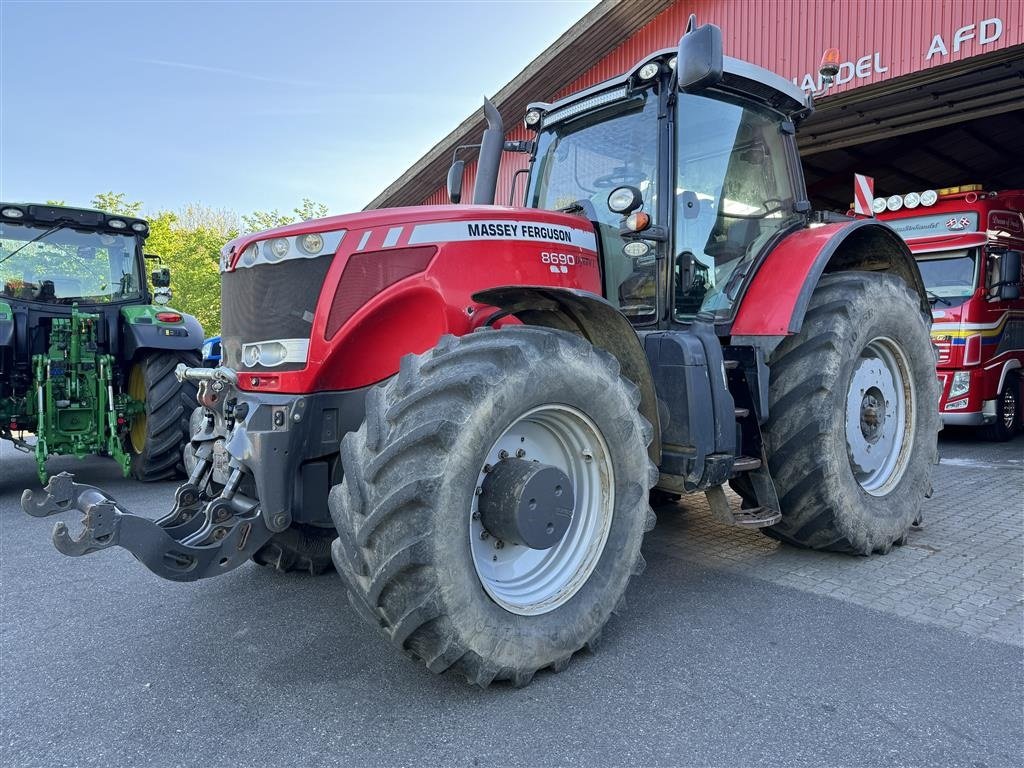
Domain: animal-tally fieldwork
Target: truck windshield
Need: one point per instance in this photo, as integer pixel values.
(61, 265)
(580, 161)
(733, 194)
(950, 277)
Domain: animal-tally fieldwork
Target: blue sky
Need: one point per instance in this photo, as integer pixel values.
(247, 105)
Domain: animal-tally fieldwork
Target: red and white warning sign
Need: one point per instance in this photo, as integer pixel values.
(863, 195)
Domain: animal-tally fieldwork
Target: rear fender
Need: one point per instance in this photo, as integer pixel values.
(143, 331)
(778, 295)
(593, 318)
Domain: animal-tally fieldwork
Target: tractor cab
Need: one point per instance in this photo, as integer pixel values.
(687, 184)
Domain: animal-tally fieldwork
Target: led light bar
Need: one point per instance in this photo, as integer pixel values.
(584, 105)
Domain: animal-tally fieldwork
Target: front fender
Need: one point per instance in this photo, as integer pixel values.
(777, 297)
(143, 331)
(596, 320)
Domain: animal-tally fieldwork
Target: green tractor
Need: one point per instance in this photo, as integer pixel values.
(87, 349)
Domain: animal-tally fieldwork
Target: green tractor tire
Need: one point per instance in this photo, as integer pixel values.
(158, 435)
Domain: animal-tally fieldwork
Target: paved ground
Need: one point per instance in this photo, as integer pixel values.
(733, 651)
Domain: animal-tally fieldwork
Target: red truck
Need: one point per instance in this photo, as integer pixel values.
(968, 244)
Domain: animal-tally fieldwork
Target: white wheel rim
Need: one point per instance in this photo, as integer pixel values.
(880, 416)
(528, 581)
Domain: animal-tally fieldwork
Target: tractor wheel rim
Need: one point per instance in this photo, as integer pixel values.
(1009, 408)
(529, 582)
(880, 416)
(137, 390)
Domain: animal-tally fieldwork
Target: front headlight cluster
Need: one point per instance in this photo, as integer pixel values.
(274, 352)
(961, 384)
(278, 249)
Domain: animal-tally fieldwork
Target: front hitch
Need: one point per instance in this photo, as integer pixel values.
(198, 538)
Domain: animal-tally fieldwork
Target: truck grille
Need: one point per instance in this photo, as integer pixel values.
(269, 301)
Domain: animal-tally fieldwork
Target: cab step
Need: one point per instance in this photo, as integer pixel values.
(722, 511)
(745, 464)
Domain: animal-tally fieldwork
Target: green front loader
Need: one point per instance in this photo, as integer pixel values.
(87, 348)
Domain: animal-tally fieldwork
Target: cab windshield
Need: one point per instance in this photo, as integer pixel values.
(61, 265)
(580, 161)
(950, 277)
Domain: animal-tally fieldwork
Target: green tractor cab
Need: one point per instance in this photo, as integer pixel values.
(87, 347)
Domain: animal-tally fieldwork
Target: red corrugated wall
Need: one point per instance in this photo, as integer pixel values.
(788, 37)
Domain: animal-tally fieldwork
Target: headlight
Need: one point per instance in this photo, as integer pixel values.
(624, 200)
(13, 213)
(532, 118)
(250, 254)
(911, 200)
(116, 224)
(878, 204)
(311, 243)
(894, 203)
(961, 384)
(929, 197)
(139, 226)
(649, 70)
(278, 249)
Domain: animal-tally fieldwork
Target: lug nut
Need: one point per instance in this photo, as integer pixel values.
(484, 535)
(503, 454)
(520, 453)
(488, 467)
(587, 455)
(499, 544)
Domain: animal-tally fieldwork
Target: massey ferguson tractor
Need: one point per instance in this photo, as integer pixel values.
(467, 407)
(87, 351)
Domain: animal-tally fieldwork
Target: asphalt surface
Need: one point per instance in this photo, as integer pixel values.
(103, 664)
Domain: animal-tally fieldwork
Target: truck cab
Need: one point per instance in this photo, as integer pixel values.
(967, 242)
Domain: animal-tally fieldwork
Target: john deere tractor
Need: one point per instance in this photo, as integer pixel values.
(87, 351)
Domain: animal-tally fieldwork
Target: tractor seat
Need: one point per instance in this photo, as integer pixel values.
(738, 239)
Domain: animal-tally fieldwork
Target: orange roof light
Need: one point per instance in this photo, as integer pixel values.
(829, 63)
(963, 188)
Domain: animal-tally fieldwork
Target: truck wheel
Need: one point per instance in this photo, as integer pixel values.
(1007, 422)
(158, 436)
(305, 548)
(853, 416)
(437, 539)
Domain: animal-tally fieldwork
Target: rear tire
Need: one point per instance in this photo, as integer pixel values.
(854, 418)
(156, 439)
(408, 544)
(1008, 409)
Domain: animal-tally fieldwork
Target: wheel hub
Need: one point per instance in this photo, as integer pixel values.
(526, 502)
(879, 416)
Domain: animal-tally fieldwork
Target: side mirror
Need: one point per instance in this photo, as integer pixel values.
(699, 62)
(455, 181)
(161, 277)
(1009, 276)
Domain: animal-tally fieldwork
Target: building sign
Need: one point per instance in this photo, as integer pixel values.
(939, 48)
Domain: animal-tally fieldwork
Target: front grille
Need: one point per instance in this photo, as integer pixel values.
(270, 301)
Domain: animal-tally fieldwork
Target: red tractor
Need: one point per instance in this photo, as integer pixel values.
(467, 407)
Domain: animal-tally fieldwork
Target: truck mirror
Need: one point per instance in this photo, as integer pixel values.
(699, 62)
(1009, 276)
(455, 181)
(161, 277)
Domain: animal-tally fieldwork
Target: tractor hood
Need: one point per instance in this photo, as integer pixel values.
(390, 227)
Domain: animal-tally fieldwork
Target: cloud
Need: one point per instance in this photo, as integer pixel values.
(232, 72)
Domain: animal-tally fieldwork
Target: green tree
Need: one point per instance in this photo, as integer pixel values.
(115, 202)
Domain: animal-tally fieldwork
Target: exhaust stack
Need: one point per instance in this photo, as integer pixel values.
(490, 156)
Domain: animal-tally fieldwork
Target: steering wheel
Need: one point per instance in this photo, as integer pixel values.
(618, 178)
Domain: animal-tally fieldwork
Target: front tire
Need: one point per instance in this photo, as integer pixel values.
(1008, 409)
(854, 418)
(410, 545)
(157, 437)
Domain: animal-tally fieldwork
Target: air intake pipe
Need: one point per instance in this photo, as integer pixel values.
(490, 157)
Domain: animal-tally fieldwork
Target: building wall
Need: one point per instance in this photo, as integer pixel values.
(878, 40)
